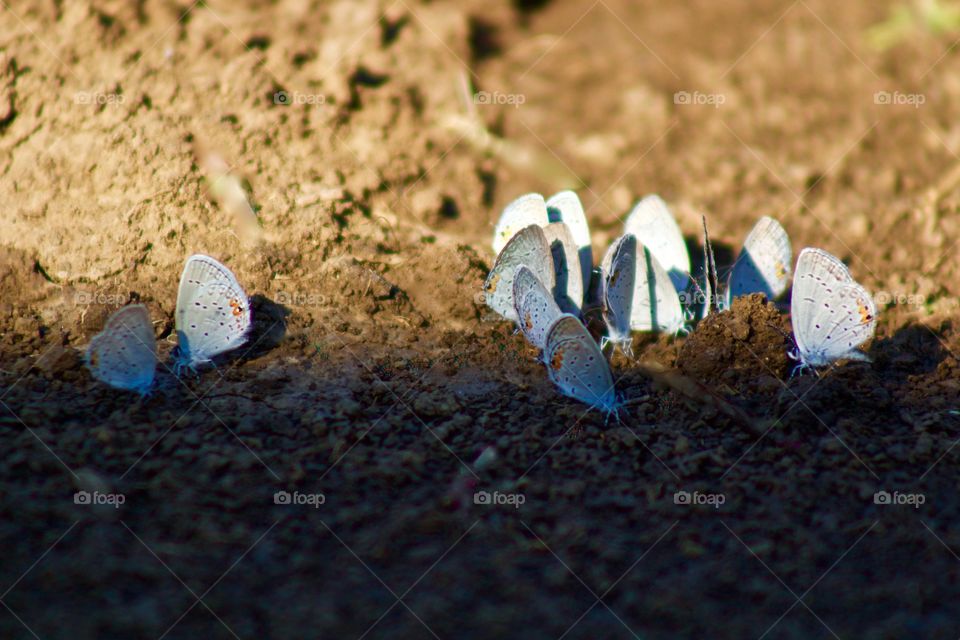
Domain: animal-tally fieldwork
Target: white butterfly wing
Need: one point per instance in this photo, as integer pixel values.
(763, 265)
(535, 307)
(656, 303)
(527, 248)
(652, 222)
(213, 312)
(524, 211)
(124, 354)
(619, 279)
(566, 206)
(831, 314)
(576, 365)
(569, 288)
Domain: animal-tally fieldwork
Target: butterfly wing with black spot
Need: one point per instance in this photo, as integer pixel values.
(576, 365)
(213, 313)
(619, 280)
(831, 313)
(535, 307)
(527, 248)
(124, 354)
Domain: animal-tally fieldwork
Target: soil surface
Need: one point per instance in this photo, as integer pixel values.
(376, 142)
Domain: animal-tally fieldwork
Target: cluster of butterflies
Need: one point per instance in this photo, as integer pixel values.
(544, 280)
(212, 317)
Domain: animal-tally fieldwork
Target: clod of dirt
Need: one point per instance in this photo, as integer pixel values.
(58, 360)
(8, 78)
(738, 346)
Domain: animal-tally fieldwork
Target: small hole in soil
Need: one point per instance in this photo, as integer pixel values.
(390, 29)
(258, 42)
(529, 6)
(484, 39)
(449, 208)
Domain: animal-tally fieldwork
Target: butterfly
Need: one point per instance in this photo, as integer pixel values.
(576, 365)
(763, 265)
(528, 248)
(124, 354)
(652, 222)
(569, 284)
(213, 313)
(564, 221)
(566, 207)
(526, 210)
(618, 279)
(535, 307)
(831, 313)
(653, 304)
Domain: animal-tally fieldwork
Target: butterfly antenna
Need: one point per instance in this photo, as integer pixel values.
(606, 341)
(706, 266)
(690, 301)
(787, 337)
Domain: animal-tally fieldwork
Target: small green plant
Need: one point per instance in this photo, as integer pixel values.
(914, 17)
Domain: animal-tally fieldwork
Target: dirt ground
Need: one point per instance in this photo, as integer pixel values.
(378, 142)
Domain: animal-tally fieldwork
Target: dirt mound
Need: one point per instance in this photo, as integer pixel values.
(739, 347)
